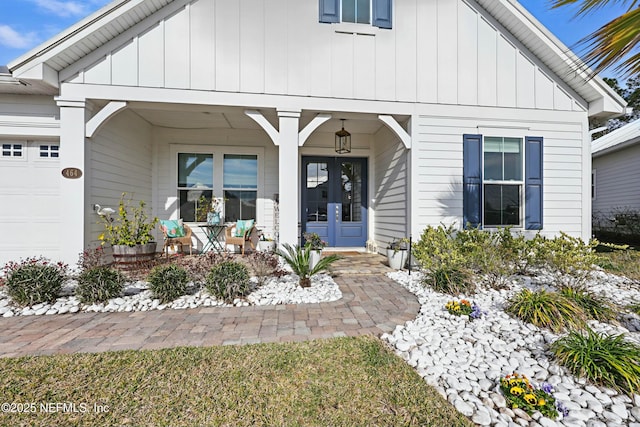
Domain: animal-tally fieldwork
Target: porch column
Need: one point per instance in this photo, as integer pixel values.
(72, 188)
(288, 176)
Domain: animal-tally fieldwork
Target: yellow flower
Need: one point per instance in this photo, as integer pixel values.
(541, 402)
(101, 236)
(516, 390)
(514, 381)
(531, 399)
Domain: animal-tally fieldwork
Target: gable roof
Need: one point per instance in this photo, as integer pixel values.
(620, 138)
(41, 65)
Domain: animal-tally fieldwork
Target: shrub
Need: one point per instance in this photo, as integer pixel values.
(571, 257)
(34, 280)
(546, 310)
(608, 360)
(98, 284)
(450, 280)
(91, 258)
(298, 259)
(522, 254)
(594, 306)
(520, 393)
(168, 282)
(228, 280)
(199, 267)
(264, 265)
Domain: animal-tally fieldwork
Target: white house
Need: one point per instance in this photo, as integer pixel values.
(616, 170)
(459, 111)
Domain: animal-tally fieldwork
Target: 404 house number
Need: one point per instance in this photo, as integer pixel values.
(71, 173)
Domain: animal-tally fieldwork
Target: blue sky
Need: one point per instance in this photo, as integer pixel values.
(26, 23)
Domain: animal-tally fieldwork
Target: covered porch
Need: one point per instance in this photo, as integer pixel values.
(266, 164)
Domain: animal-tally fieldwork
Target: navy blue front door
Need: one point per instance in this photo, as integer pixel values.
(334, 199)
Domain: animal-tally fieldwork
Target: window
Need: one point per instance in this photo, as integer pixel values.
(593, 184)
(357, 11)
(50, 151)
(502, 181)
(240, 183)
(375, 12)
(195, 181)
(12, 150)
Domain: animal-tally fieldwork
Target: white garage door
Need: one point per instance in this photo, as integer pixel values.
(29, 200)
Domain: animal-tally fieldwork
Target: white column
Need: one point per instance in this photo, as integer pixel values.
(288, 176)
(72, 191)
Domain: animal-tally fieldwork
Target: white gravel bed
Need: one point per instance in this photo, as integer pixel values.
(137, 297)
(464, 360)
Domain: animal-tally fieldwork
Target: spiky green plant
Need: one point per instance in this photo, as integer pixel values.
(594, 306)
(98, 284)
(298, 259)
(546, 310)
(168, 282)
(228, 281)
(609, 360)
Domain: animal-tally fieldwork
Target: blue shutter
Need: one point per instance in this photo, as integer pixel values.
(382, 13)
(329, 11)
(533, 183)
(472, 180)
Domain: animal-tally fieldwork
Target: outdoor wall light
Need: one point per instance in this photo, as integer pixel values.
(343, 140)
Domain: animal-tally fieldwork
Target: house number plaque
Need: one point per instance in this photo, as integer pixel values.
(71, 173)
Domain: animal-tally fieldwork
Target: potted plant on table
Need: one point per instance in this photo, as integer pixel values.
(209, 210)
(397, 253)
(266, 243)
(315, 244)
(130, 233)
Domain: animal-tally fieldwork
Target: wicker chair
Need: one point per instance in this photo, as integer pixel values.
(173, 241)
(250, 237)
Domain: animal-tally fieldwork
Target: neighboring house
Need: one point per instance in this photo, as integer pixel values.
(459, 111)
(616, 173)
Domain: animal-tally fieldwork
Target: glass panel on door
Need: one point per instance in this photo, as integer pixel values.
(317, 188)
(351, 190)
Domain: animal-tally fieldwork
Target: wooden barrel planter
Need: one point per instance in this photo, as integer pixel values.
(123, 254)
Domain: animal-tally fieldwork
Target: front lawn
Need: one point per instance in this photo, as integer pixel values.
(623, 263)
(337, 382)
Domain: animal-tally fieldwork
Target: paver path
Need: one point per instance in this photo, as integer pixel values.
(371, 304)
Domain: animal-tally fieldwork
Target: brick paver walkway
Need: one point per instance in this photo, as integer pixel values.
(371, 304)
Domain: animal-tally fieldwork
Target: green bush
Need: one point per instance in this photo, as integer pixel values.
(546, 310)
(168, 282)
(228, 280)
(450, 280)
(34, 280)
(594, 306)
(571, 257)
(98, 284)
(608, 360)
(298, 259)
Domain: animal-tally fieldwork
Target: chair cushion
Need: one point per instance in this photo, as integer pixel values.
(172, 227)
(242, 225)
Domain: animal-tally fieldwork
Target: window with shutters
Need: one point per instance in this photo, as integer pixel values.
(502, 181)
(374, 12)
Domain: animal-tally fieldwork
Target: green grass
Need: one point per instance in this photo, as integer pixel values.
(595, 306)
(623, 263)
(337, 382)
(609, 360)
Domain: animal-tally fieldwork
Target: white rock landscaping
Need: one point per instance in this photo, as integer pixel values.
(464, 360)
(137, 297)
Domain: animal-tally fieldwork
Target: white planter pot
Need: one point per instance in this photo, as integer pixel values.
(264, 246)
(397, 259)
(314, 258)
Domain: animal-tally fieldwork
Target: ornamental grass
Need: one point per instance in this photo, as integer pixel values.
(609, 360)
(595, 307)
(546, 310)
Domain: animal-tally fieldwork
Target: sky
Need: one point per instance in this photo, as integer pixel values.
(24, 24)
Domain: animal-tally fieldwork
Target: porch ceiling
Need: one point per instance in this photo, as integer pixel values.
(202, 117)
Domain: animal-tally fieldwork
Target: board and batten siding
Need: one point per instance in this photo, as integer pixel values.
(120, 161)
(438, 164)
(439, 51)
(617, 180)
(167, 142)
(390, 192)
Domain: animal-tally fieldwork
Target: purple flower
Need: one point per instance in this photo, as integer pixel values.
(476, 312)
(561, 408)
(547, 388)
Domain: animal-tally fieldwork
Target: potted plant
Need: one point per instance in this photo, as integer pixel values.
(266, 243)
(315, 245)
(397, 253)
(130, 233)
(209, 210)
